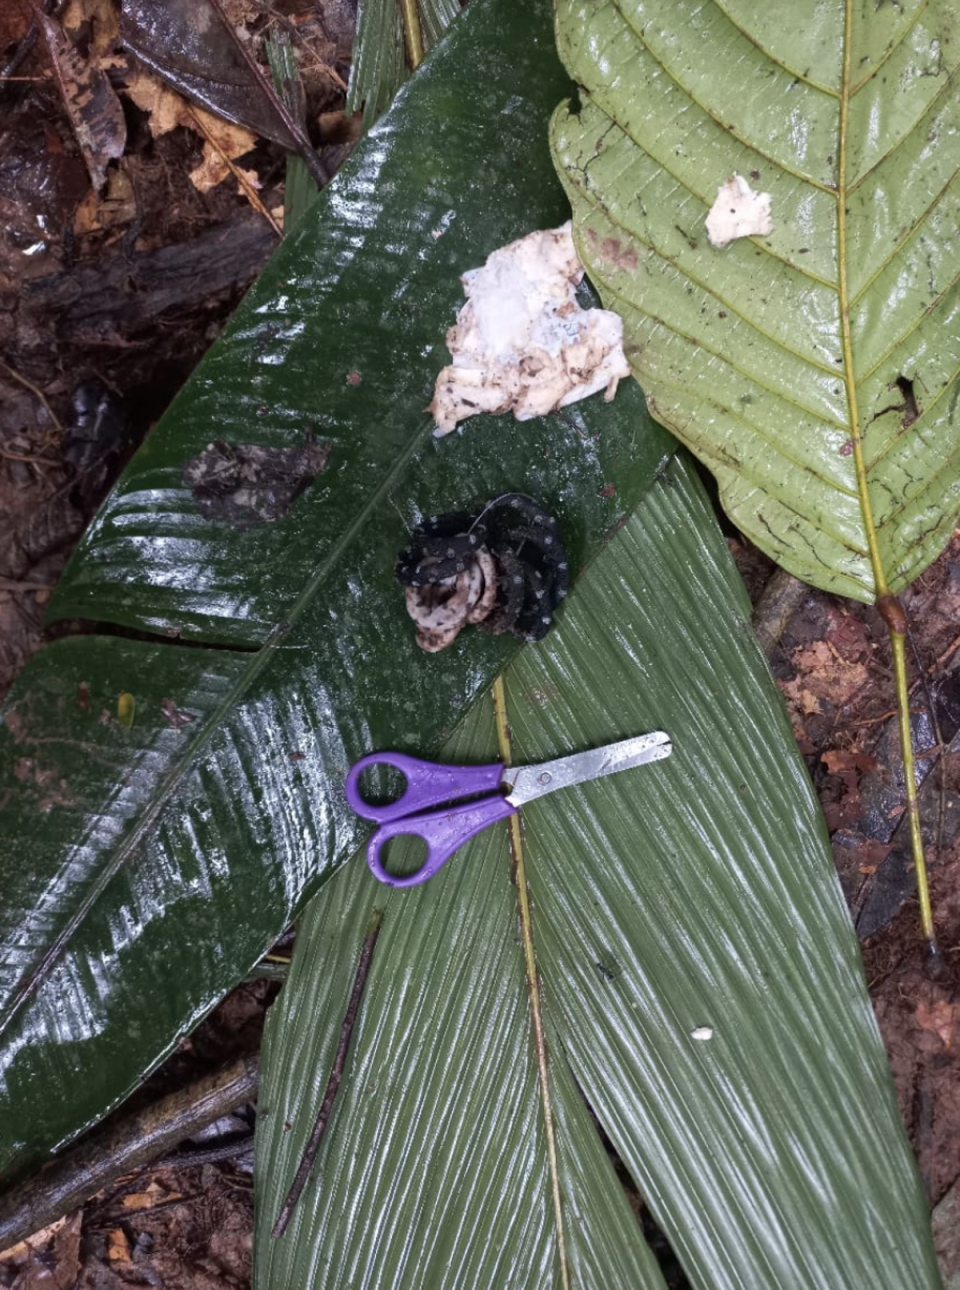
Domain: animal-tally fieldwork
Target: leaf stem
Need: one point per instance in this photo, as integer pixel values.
(412, 35)
(336, 1074)
(533, 982)
(897, 641)
(888, 605)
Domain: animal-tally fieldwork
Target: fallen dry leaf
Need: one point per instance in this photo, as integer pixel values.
(94, 109)
(840, 762)
(221, 139)
(154, 1194)
(49, 1258)
(118, 1247)
(827, 674)
(939, 1018)
(97, 20)
(115, 207)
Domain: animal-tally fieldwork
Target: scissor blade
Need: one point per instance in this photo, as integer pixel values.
(528, 782)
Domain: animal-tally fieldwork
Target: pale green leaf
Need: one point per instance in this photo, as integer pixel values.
(694, 896)
(783, 361)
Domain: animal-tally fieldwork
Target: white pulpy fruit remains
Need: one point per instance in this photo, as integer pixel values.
(521, 343)
(738, 212)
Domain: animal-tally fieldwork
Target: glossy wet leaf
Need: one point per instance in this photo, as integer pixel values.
(145, 869)
(702, 986)
(814, 370)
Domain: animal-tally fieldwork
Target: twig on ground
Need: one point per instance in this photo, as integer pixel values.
(134, 1142)
(29, 385)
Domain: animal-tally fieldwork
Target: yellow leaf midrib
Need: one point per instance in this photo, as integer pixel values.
(881, 587)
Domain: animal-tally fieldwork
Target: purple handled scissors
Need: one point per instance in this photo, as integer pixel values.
(432, 784)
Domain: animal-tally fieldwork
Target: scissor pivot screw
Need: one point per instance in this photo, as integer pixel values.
(544, 778)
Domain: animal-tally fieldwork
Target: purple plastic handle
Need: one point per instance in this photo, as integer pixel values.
(443, 831)
(428, 784)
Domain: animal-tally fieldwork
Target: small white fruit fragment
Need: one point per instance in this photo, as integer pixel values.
(521, 343)
(702, 1033)
(738, 212)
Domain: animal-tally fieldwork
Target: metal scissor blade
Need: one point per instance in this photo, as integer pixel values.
(528, 782)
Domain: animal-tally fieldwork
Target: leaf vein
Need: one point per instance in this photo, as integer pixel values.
(729, 130)
(750, 427)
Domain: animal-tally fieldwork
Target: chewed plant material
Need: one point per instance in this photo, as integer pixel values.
(521, 343)
(503, 568)
(738, 212)
(249, 483)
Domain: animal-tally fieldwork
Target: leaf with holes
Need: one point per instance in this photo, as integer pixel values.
(812, 368)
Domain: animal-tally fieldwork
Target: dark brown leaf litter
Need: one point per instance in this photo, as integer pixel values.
(183, 1229)
(833, 665)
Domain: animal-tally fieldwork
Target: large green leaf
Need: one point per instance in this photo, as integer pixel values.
(813, 370)
(696, 895)
(145, 869)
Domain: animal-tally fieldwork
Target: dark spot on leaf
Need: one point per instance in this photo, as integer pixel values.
(846, 449)
(621, 257)
(911, 408)
(176, 716)
(609, 971)
(247, 484)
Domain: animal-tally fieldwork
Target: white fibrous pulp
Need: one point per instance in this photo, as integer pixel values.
(738, 212)
(521, 343)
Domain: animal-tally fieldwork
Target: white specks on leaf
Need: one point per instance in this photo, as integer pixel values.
(521, 343)
(702, 1033)
(738, 212)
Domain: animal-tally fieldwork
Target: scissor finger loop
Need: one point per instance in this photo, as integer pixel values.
(432, 784)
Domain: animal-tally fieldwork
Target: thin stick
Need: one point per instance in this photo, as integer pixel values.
(29, 385)
(309, 1156)
(23, 456)
(533, 983)
(294, 128)
(243, 182)
(14, 584)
